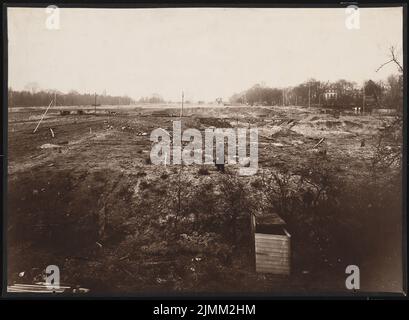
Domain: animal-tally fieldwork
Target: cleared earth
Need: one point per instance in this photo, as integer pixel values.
(89, 200)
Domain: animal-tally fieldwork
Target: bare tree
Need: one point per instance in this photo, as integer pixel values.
(393, 59)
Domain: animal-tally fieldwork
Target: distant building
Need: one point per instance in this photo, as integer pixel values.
(330, 94)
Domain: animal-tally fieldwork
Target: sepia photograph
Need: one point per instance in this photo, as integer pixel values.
(209, 150)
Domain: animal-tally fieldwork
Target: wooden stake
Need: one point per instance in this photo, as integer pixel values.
(181, 111)
(42, 117)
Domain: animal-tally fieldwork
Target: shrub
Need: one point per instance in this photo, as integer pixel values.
(203, 171)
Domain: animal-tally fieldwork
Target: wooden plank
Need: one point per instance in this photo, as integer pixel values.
(37, 285)
(33, 291)
(264, 236)
(27, 290)
(34, 288)
(273, 253)
(273, 256)
(275, 262)
(272, 246)
(272, 259)
(270, 236)
(272, 266)
(272, 241)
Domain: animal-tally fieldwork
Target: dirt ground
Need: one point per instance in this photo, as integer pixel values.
(76, 199)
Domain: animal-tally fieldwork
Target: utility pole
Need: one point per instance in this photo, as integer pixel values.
(309, 95)
(283, 97)
(95, 103)
(55, 98)
(363, 98)
(181, 111)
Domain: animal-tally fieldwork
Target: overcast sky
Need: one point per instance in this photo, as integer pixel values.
(208, 53)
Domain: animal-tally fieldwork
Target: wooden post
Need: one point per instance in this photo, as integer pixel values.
(95, 103)
(309, 95)
(283, 97)
(181, 111)
(42, 117)
(253, 239)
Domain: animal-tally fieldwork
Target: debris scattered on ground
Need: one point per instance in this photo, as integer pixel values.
(108, 170)
(49, 146)
(277, 144)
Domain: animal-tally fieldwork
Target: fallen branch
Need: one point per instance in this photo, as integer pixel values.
(319, 142)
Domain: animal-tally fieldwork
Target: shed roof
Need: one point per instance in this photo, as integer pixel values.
(268, 219)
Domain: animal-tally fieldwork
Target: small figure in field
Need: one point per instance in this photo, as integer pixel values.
(219, 166)
(363, 143)
(323, 152)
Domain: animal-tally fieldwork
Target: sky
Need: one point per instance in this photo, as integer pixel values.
(207, 53)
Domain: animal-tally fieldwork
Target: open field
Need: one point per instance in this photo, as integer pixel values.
(94, 205)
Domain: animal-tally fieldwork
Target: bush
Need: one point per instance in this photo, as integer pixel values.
(203, 171)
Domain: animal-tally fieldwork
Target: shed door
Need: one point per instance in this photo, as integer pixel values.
(272, 253)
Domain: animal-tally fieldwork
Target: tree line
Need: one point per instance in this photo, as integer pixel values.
(341, 94)
(34, 98)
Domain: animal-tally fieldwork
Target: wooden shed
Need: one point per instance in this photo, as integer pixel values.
(272, 244)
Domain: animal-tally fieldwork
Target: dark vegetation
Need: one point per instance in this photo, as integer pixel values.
(33, 98)
(381, 94)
